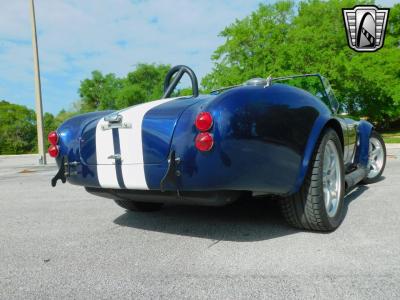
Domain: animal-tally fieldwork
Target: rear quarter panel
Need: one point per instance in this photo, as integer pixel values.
(364, 129)
(264, 138)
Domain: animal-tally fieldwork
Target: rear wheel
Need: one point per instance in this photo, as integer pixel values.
(319, 203)
(376, 158)
(139, 206)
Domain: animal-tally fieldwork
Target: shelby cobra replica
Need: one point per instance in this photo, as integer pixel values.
(264, 137)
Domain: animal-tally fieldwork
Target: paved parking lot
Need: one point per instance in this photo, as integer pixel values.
(65, 243)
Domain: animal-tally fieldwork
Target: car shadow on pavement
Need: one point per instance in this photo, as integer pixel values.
(243, 221)
(354, 194)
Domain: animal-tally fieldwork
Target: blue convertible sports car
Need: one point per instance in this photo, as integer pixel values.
(285, 136)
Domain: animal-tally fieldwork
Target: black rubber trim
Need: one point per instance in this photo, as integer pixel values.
(207, 198)
(60, 174)
(117, 150)
(169, 176)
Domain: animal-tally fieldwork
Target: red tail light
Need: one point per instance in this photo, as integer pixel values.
(53, 138)
(53, 151)
(204, 121)
(204, 141)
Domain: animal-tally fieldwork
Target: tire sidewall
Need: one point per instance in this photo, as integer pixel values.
(334, 221)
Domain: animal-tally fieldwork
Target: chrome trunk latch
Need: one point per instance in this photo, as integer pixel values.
(116, 157)
(113, 118)
(115, 121)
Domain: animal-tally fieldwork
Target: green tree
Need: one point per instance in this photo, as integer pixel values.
(129, 95)
(143, 84)
(17, 129)
(99, 92)
(150, 78)
(50, 123)
(309, 37)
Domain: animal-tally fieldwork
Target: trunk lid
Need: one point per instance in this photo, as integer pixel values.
(140, 134)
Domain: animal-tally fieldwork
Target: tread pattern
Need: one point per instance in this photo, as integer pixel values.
(306, 209)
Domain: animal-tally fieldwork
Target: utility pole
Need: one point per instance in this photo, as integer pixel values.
(38, 89)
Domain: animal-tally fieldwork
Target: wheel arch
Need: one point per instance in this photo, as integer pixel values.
(335, 125)
(320, 125)
(364, 130)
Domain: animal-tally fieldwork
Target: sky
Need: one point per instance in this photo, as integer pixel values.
(76, 37)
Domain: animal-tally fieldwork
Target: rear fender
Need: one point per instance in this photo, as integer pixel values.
(69, 143)
(70, 132)
(312, 142)
(361, 157)
(272, 130)
(364, 130)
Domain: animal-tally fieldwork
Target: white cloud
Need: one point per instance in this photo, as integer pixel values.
(76, 37)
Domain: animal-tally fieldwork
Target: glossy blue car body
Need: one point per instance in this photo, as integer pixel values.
(264, 138)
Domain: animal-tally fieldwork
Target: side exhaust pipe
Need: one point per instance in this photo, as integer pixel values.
(355, 177)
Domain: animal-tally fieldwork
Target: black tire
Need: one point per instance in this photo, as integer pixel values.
(306, 209)
(139, 206)
(376, 178)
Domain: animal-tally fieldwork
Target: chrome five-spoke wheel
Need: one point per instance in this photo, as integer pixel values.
(376, 157)
(331, 182)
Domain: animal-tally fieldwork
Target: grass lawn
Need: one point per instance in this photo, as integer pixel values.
(391, 136)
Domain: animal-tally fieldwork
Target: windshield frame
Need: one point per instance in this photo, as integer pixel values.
(327, 89)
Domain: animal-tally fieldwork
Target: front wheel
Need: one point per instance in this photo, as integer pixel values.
(318, 205)
(376, 158)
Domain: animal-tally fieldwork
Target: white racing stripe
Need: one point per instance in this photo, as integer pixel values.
(104, 148)
(131, 149)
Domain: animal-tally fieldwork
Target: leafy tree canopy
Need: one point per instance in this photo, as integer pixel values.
(309, 37)
(17, 129)
(278, 39)
(110, 92)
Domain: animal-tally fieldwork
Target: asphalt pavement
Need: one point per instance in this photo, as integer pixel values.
(62, 242)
